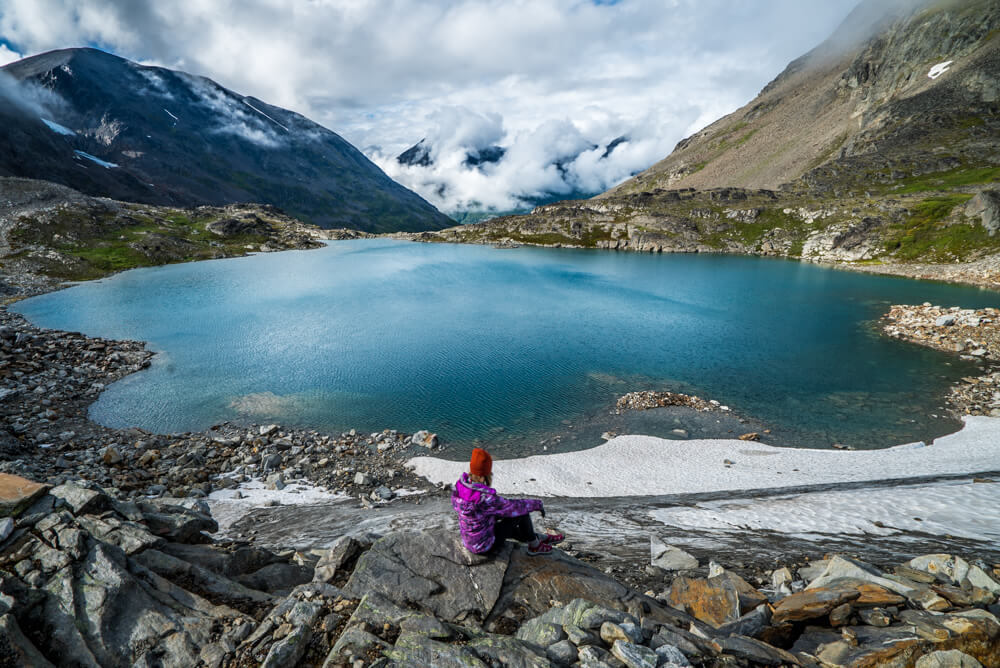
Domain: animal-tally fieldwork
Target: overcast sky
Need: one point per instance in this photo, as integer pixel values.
(545, 78)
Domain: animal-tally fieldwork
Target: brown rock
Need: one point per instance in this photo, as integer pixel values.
(752, 436)
(874, 596)
(812, 603)
(17, 493)
(841, 615)
(964, 597)
(714, 601)
(749, 597)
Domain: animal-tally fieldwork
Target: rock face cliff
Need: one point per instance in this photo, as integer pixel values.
(881, 145)
(109, 127)
(892, 92)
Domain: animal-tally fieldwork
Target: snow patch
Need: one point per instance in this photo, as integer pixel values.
(967, 509)
(645, 465)
(229, 505)
(59, 129)
(265, 115)
(939, 69)
(103, 163)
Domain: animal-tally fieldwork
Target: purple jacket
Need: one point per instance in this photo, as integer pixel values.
(478, 508)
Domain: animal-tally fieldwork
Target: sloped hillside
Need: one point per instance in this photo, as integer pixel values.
(109, 127)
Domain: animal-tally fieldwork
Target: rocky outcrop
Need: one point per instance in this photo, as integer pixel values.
(433, 572)
(974, 334)
(986, 206)
(50, 234)
(91, 580)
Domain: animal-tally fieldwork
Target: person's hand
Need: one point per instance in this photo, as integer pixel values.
(542, 511)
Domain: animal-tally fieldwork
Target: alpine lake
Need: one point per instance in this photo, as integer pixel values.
(524, 350)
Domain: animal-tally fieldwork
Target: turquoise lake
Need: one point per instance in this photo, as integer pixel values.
(509, 347)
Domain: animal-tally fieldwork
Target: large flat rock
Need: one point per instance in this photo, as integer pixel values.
(432, 572)
(17, 493)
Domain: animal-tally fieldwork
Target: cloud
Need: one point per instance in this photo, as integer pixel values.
(8, 56)
(233, 115)
(530, 166)
(385, 74)
(28, 99)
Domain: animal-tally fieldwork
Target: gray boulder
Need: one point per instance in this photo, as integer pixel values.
(433, 572)
(276, 577)
(413, 649)
(332, 562)
(177, 523)
(986, 206)
(81, 499)
(668, 557)
(947, 659)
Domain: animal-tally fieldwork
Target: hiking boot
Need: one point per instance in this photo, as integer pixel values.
(542, 548)
(553, 538)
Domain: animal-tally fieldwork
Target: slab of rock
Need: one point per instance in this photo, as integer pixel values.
(947, 659)
(841, 568)
(81, 499)
(413, 649)
(17, 494)
(354, 640)
(333, 560)
(499, 650)
(218, 587)
(16, 649)
(107, 610)
(432, 571)
(532, 583)
(757, 651)
(812, 603)
(668, 557)
(714, 601)
(634, 656)
(985, 206)
(177, 523)
(752, 624)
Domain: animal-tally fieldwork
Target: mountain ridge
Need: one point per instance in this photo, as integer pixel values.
(167, 137)
(882, 154)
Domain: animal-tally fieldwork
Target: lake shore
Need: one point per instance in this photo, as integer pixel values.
(55, 376)
(318, 509)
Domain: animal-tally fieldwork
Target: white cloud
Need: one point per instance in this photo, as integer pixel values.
(387, 73)
(8, 56)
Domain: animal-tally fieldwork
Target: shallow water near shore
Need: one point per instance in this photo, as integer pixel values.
(514, 347)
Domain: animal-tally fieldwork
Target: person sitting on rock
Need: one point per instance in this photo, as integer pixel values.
(486, 519)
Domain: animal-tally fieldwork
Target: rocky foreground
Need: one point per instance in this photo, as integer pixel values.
(90, 580)
(973, 334)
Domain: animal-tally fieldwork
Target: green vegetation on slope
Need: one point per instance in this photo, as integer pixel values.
(931, 233)
(91, 241)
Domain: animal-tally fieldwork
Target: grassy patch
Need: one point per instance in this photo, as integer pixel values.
(926, 234)
(954, 178)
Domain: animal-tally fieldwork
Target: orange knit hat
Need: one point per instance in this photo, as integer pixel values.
(480, 464)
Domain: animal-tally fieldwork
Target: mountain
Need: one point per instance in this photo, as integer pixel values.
(422, 155)
(882, 146)
(895, 88)
(107, 126)
(419, 155)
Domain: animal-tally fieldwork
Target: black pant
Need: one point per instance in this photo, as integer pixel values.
(517, 528)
